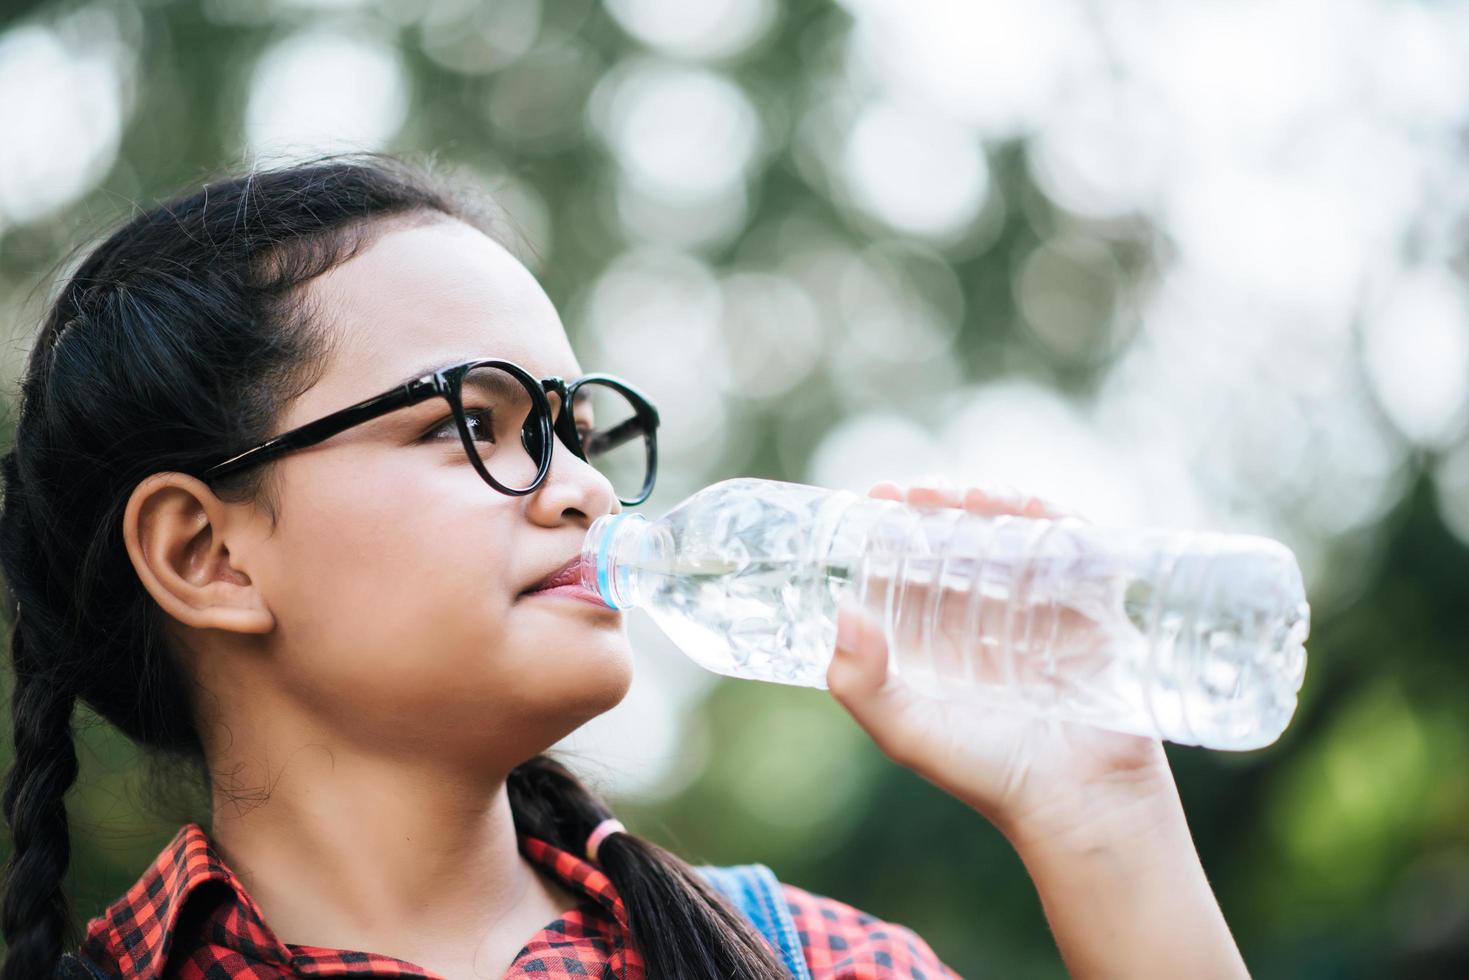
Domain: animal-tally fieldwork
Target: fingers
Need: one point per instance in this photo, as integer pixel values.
(859, 679)
(887, 490)
(989, 499)
(859, 667)
(1005, 499)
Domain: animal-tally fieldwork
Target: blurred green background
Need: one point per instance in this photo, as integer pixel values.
(1198, 265)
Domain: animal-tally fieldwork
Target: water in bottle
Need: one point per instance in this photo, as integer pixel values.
(1196, 637)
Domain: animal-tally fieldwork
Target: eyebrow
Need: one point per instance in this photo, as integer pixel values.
(439, 365)
(427, 369)
(581, 401)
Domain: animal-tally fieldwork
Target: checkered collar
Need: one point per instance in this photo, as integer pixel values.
(139, 931)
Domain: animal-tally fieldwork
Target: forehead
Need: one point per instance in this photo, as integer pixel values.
(425, 296)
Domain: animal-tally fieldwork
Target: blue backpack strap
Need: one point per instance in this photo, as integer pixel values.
(754, 890)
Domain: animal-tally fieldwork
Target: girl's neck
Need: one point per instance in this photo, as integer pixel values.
(347, 852)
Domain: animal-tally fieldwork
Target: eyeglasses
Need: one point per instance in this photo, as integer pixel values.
(505, 424)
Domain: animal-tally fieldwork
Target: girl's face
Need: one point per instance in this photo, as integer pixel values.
(395, 572)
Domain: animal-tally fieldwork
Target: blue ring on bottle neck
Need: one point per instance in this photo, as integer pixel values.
(602, 552)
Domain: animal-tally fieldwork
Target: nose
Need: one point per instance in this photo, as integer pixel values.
(573, 487)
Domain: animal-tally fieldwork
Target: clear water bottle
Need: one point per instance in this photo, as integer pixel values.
(1195, 637)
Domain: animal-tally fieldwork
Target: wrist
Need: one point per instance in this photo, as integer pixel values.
(1126, 810)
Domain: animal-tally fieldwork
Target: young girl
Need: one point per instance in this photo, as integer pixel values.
(293, 455)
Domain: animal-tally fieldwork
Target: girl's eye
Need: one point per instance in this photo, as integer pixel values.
(476, 419)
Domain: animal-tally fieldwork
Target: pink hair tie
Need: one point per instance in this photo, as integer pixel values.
(604, 829)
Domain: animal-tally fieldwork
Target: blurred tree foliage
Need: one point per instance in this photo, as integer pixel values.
(1343, 851)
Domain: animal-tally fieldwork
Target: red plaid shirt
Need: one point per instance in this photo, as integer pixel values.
(189, 918)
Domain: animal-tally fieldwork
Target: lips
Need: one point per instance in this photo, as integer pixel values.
(568, 574)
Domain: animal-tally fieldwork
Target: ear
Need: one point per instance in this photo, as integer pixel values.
(177, 532)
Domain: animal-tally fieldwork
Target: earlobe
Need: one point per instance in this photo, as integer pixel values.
(175, 530)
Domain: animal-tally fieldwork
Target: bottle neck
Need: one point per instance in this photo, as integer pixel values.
(609, 558)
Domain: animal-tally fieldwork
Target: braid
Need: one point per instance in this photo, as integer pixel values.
(35, 915)
(680, 925)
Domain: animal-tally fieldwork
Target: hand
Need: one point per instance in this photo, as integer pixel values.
(1033, 777)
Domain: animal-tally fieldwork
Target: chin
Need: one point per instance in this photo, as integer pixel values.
(575, 707)
(592, 674)
(615, 674)
(615, 671)
(565, 658)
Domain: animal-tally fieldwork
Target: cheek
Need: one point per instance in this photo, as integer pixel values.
(393, 575)
(395, 611)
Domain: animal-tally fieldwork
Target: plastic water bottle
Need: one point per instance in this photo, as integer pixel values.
(1195, 637)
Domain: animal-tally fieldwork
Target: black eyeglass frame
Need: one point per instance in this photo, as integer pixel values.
(448, 384)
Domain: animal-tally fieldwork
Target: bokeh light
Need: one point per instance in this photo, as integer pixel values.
(685, 133)
(917, 172)
(713, 29)
(999, 66)
(320, 90)
(471, 37)
(61, 136)
(1417, 355)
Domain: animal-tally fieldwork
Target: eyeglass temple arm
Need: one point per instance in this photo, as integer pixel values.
(324, 428)
(601, 442)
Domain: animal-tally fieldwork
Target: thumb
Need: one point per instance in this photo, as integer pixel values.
(858, 675)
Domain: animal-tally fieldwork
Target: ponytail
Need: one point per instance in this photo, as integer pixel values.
(682, 927)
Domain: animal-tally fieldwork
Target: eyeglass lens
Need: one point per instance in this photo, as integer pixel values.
(504, 432)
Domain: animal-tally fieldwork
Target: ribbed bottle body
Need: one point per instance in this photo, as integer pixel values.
(1195, 637)
(1191, 636)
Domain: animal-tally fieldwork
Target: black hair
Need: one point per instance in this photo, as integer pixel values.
(181, 336)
